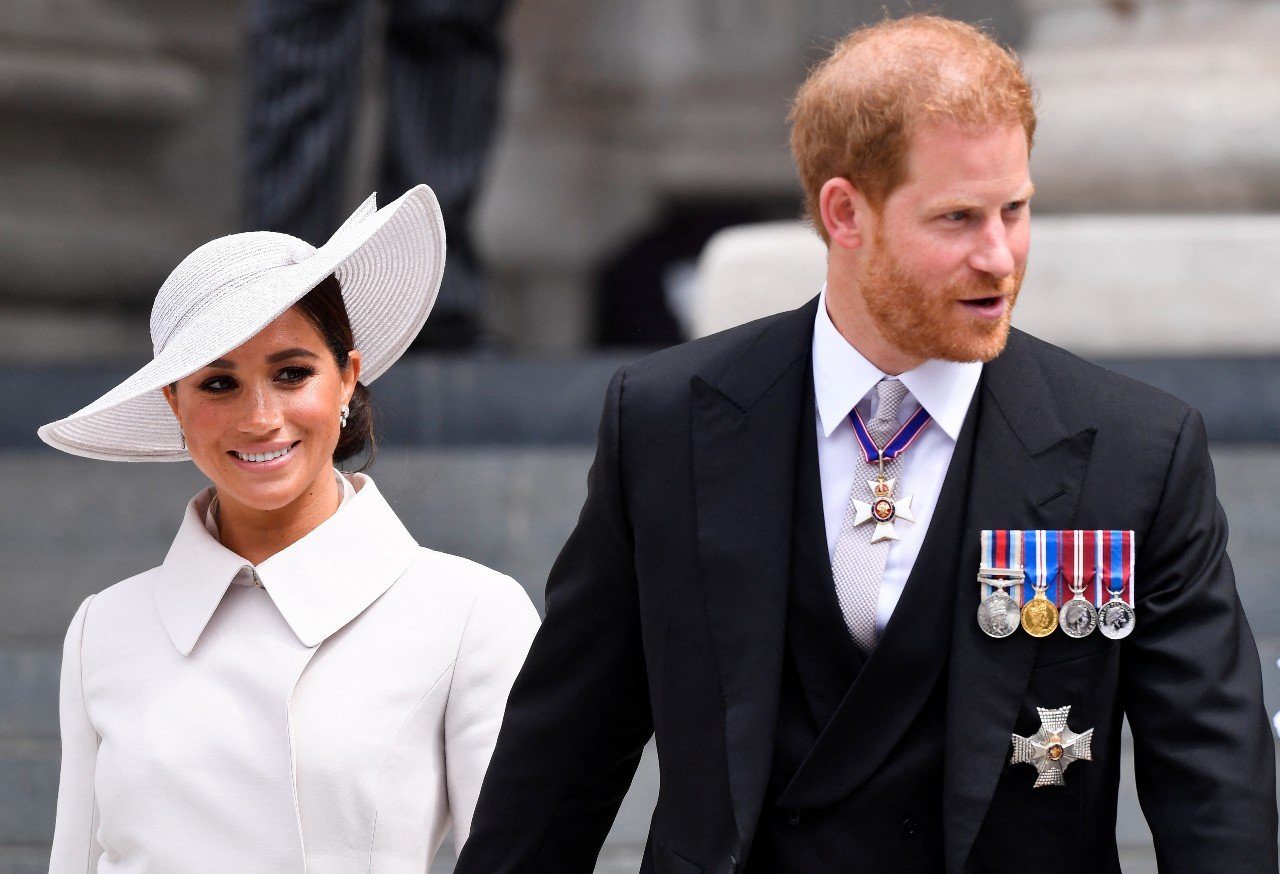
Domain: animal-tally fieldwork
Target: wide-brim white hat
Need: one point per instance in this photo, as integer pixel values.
(388, 261)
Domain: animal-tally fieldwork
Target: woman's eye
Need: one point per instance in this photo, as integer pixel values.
(294, 374)
(218, 384)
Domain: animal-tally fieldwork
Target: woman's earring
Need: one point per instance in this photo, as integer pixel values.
(182, 436)
(343, 412)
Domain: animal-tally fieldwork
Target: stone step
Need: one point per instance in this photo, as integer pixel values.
(30, 859)
(1107, 286)
(119, 89)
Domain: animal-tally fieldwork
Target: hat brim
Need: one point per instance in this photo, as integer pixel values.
(389, 263)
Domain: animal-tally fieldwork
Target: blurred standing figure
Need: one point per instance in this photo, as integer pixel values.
(443, 71)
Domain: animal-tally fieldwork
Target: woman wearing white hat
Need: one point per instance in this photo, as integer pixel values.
(299, 686)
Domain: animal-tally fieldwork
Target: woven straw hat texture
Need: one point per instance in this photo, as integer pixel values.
(388, 261)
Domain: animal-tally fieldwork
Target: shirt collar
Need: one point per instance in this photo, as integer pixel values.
(842, 377)
(319, 584)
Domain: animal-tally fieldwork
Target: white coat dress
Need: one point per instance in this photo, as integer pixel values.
(338, 718)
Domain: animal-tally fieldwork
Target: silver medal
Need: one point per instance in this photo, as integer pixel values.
(1116, 619)
(1052, 748)
(998, 611)
(998, 614)
(1078, 618)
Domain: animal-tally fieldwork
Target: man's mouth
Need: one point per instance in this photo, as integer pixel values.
(986, 307)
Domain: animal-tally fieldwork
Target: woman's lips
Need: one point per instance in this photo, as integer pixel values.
(274, 458)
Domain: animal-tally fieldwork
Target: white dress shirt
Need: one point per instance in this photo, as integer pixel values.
(336, 719)
(843, 379)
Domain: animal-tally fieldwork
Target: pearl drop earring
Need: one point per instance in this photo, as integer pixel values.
(343, 412)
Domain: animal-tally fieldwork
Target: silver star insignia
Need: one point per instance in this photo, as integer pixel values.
(1051, 748)
(898, 509)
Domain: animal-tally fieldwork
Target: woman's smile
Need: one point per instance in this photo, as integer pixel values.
(265, 458)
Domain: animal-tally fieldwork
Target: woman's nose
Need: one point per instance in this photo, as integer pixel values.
(261, 411)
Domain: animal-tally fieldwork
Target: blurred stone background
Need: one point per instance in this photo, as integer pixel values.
(632, 132)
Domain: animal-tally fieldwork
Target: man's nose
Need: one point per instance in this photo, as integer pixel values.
(992, 255)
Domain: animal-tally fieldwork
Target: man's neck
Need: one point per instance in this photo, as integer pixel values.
(850, 317)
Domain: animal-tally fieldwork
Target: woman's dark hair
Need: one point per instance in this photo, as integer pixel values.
(324, 309)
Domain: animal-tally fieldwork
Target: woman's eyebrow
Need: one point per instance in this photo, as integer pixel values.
(297, 352)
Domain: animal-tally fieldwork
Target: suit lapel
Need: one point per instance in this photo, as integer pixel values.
(746, 415)
(1028, 471)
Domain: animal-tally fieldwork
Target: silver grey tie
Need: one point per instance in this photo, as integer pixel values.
(857, 564)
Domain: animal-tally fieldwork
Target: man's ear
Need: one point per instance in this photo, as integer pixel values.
(844, 211)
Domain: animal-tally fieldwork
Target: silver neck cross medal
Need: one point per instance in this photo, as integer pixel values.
(883, 508)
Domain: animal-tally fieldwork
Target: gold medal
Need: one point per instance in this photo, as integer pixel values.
(1039, 616)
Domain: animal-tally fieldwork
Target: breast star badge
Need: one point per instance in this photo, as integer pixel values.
(883, 510)
(1051, 748)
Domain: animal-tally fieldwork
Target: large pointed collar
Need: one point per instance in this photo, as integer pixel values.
(842, 377)
(319, 584)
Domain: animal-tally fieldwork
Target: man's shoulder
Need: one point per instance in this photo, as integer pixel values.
(1079, 384)
(788, 333)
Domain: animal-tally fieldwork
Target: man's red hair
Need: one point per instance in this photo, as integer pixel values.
(855, 114)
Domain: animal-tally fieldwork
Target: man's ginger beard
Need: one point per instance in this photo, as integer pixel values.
(927, 322)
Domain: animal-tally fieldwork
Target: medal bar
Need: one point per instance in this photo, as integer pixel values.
(1076, 581)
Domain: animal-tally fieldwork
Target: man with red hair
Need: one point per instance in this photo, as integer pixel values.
(777, 569)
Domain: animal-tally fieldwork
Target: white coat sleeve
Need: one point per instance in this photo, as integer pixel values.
(499, 630)
(75, 845)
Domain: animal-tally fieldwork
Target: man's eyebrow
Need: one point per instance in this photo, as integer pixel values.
(296, 352)
(959, 204)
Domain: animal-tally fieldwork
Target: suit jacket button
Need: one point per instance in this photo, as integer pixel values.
(910, 828)
(793, 816)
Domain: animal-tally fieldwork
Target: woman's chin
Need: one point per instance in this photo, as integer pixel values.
(262, 492)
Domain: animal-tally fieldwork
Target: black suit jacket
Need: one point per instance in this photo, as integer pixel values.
(666, 613)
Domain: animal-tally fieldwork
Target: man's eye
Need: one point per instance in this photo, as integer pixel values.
(957, 216)
(294, 374)
(218, 384)
(1015, 206)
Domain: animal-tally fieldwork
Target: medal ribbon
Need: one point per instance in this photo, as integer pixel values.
(1031, 548)
(1070, 570)
(1089, 565)
(1043, 573)
(1062, 562)
(898, 443)
(1052, 548)
(1130, 558)
(1119, 564)
(1002, 549)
